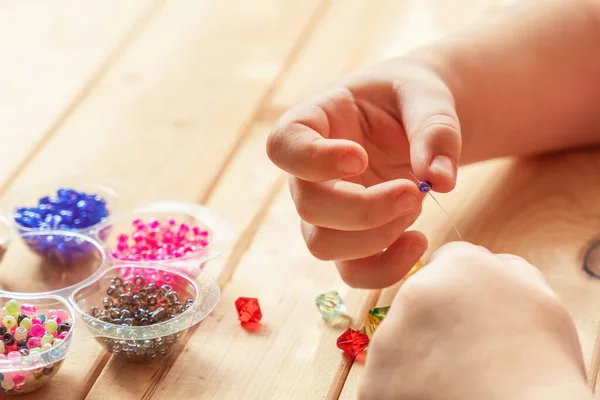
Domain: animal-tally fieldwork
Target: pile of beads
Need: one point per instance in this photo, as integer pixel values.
(70, 209)
(139, 304)
(157, 240)
(25, 332)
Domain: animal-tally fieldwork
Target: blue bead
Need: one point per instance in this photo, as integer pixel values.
(424, 186)
(70, 209)
(44, 200)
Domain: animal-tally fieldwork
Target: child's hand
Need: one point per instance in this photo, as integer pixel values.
(475, 325)
(350, 152)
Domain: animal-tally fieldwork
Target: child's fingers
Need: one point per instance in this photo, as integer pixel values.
(331, 244)
(352, 207)
(386, 268)
(433, 130)
(299, 146)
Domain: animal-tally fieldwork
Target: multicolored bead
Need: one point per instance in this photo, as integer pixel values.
(352, 342)
(29, 336)
(330, 304)
(248, 309)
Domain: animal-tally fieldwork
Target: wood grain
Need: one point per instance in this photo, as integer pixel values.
(339, 25)
(175, 98)
(53, 54)
(182, 93)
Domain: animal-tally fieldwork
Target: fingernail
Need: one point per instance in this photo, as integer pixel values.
(350, 164)
(444, 166)
(406, 203)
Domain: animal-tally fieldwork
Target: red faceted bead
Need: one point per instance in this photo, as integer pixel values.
(248, 309)
(353, 342)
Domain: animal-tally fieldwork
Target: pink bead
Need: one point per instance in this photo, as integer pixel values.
(34, 342)
(51, 314)
(62, 314)
(37, 330)
(153, 223)
(184, 227)
(28, 308)
(63, 335)
(36, 321)
(14, 355)
(18, 380)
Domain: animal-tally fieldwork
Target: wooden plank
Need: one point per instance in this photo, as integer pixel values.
(276, 367)
(183, 92)
(53, 54)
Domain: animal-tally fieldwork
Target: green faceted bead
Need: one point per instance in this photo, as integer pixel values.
(379, 312)
(374, 318)
(330, 305)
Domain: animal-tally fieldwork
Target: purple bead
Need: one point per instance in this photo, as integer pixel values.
(424, 186)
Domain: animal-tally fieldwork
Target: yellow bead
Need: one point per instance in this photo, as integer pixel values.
(13, 307)
(9, 321)
(46, 339)
(51, 326)
(414, 269)
(373, 319)
(7, 384)
(26, 323)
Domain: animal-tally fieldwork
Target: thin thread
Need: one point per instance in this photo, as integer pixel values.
(443, 210)
(447, 215)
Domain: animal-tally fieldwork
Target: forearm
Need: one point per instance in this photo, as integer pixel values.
(526, 81)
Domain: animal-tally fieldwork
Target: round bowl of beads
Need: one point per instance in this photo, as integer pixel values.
(51, 262)
(141, 312)
(178, 235)
(72, 204)
(36, 335)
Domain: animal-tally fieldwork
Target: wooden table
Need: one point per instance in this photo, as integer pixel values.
(175, 98)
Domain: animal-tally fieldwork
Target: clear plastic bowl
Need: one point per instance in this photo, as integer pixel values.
(31, 372)
(143, 343)
(56, 270)
(29, 197)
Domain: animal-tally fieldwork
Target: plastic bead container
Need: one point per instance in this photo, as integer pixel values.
(73, 273)
(142, 343)
(25, 374)
(215, 233)
(44, 198)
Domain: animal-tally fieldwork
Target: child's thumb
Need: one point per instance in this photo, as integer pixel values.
(433, 130)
